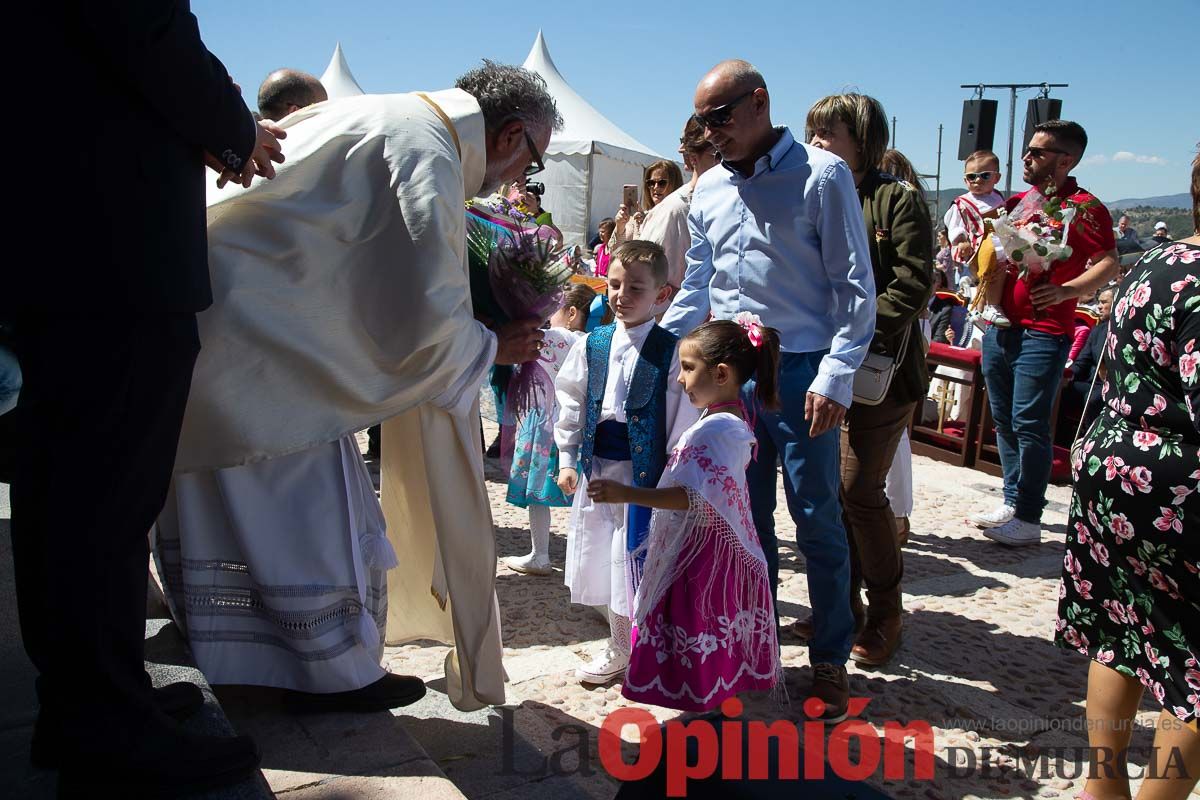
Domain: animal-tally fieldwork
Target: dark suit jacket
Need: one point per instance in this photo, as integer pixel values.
(122, 99)
(1091, 355)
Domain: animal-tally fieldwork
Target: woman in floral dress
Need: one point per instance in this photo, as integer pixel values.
(1130, 592)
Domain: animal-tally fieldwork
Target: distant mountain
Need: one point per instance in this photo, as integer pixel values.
(1171, 201)
(1181, 200)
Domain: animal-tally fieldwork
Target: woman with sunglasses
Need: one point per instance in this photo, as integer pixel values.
(666, 222)
(854, 127)
(659, 180)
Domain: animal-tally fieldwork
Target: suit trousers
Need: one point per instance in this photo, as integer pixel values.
(101, 410)
(870, 436)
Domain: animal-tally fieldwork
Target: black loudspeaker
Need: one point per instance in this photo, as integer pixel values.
(978, 127)
(1037, 111)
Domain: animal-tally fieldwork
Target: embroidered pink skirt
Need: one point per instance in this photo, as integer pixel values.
(713, 633)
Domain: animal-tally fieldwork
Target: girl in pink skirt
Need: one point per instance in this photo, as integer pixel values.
(704, 621)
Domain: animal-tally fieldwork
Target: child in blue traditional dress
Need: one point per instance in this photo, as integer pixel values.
(620, 414)
(532, 478)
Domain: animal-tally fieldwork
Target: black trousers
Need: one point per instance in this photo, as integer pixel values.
(100, 414)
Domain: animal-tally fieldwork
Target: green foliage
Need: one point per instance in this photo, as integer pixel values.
(1142, 218)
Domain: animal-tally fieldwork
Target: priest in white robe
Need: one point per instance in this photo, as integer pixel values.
(342, 300)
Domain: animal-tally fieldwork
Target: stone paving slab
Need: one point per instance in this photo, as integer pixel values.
(332, 755)
(415, 779)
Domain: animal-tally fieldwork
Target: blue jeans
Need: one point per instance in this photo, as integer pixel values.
(1023, 370)
(812, 486)
(10, 380)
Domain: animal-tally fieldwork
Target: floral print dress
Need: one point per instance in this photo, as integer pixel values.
(1130, 591)
(534, 468)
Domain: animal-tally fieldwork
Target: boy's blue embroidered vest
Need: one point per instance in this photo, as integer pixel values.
(645, 403)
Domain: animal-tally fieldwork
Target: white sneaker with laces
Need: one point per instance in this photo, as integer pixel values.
(994, 518)
(995, 315)
(529, 565)
(1016, 533)
(603, 668)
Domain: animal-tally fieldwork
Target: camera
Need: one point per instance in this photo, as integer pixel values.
(536, 188)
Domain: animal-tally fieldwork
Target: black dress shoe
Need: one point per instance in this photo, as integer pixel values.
(179, 700)
(157, 759)
(390, 691)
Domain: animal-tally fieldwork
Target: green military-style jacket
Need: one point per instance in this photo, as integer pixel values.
(900, 237)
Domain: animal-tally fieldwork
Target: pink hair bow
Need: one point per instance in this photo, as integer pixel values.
(753, 326)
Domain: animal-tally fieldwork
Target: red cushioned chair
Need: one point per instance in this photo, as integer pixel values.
(950, 440)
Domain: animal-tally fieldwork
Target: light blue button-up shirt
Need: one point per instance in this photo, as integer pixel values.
(787, 243)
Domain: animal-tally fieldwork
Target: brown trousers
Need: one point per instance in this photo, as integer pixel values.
(870, 437)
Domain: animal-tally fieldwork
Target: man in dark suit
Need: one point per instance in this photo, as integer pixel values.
(105, 331)
(1090, 359)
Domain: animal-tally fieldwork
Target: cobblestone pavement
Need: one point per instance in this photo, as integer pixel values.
(977, 662)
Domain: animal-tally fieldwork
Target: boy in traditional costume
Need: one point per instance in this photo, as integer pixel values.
(620, 414)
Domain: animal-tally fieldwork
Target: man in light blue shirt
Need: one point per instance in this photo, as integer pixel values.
(778, 231)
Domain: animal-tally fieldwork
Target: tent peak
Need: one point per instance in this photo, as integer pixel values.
(583, 126)
(337, 79)
(539, 59)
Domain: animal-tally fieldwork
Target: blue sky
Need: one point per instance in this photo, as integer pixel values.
(638, 64)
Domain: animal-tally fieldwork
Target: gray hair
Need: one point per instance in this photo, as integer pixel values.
(511, 94)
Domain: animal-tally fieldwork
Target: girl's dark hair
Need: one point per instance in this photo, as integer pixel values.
(580, 296)
(722, 341)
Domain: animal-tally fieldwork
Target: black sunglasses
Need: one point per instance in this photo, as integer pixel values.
(537, 165)
(1038, 152)
(978, 176)
(661, 182)
(720, 116)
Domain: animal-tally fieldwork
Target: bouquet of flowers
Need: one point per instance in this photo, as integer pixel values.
(1033, 235)
(518, 270)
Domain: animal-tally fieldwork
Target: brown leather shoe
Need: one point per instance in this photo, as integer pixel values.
(831, 686)
(803, 628)
(877, 642)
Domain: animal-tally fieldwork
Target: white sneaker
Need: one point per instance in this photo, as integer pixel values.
(528, 565)
(992, 315)
(1016, 533)
(603, 668)
(995, 315)
(993, 518)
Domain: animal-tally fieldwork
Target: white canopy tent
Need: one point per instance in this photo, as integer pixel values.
(337, 78)
(588, 161)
